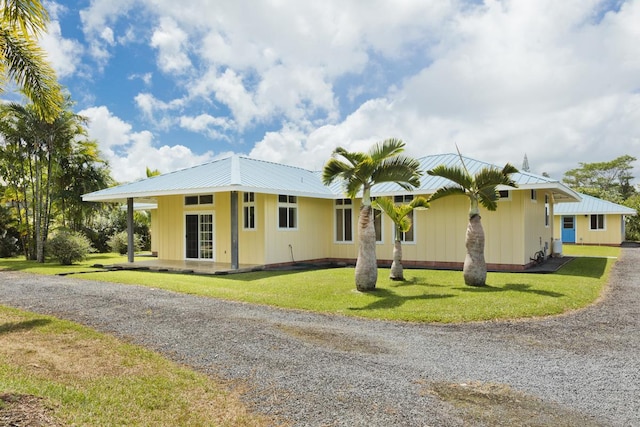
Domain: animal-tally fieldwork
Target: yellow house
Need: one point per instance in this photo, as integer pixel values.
(240, 210)
(591, 221)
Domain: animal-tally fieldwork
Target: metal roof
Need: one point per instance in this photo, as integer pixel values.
(241, 173)
(592, 205)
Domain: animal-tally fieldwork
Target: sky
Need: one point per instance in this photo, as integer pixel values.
(170, 84)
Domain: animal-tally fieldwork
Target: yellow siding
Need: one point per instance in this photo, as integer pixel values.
(611, 235)
(154, 230)
(170, 238)
(311, 238)
(513, 233)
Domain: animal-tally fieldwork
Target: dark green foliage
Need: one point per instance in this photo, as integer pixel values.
(119, 243)
(68, 247)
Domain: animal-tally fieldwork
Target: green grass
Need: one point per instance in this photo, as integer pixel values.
(594, 251)
(426, 296)
(87, 378)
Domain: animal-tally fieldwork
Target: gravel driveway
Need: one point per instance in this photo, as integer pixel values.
(316, 370)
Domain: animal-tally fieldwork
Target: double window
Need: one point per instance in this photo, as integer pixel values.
(597, 222)
(287, 212)
(202, 199)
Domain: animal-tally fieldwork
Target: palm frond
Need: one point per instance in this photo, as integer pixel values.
(455, 174)
(419, 202)
(448, 191)
(488, 197)
(27, 66)
(333, 170)
(386, 149)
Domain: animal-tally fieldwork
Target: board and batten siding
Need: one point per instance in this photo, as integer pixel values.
(611, 235)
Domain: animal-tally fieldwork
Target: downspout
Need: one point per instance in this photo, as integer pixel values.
(130, 248)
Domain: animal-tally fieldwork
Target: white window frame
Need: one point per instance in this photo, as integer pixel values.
(249, 211)
(604, 222)
(407, 198)
(342, 209)
(200, 198)
(291, 205)
(504, 199)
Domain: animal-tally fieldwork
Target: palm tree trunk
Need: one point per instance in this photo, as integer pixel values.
(475, 267)
(397, 272)
(366, 266)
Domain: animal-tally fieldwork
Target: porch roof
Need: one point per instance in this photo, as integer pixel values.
(590, 205)
(241, 173)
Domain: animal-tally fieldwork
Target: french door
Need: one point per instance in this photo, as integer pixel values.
(199, 236)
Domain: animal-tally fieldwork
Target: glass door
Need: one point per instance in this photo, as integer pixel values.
(199, 236)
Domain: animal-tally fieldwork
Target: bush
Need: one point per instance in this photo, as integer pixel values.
(119, 243)
(68, 247)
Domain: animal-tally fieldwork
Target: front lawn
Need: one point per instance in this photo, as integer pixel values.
(426, 296)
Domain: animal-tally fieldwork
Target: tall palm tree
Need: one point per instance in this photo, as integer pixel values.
(23, 61)
(31, 160)
(360, 172)
(399, 214)
(481, 189)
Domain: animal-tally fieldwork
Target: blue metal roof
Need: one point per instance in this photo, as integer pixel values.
(592, 205)
(241, 173)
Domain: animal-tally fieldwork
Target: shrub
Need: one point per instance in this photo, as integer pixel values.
(69, 247)
(119, 243)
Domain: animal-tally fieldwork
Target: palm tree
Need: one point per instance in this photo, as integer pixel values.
(399, 214)
(481, 189)
(32, 155)
(360, 172)
(23, 61)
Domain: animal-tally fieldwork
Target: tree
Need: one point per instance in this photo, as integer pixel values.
(399, 214)
(31, 156)
(360, 172)
(481, 189)
(609, 180)
(23, 61)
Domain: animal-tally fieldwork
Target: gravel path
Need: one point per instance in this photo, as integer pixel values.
(317, 370)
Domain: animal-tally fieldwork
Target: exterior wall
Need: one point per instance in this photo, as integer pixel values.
(170, 235)
(611, 235)
(153, 231)
(309, 241)
(538, 235)
(513, 233)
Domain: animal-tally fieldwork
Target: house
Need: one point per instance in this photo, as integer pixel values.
(240, 210)
(591, 221)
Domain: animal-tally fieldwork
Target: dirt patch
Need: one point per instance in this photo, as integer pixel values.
(24, 410)
(498, 405)
(335, 340)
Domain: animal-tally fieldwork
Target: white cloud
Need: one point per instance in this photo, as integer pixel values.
(129, 153)
(558, 81)
(172, 43)
(206, 124)
(64, 55)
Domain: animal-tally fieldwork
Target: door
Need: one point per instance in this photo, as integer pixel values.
(568, 229)
(199, 243)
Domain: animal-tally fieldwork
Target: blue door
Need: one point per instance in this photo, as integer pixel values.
(568, 229)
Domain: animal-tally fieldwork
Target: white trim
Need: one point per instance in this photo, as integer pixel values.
(213, 235)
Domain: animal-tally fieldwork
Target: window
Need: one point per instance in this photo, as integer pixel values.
(534, 195)
(405, 236)
(204, 199)
(377, 223)
(249, 211)
(504, 195)
(344, 220)
(597, 222)
(287, 212)
(546, 210)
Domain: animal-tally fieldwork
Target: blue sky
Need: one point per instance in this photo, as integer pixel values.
(168, 84)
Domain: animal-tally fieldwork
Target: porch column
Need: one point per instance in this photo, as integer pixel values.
(234, 230)
(130, 247)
